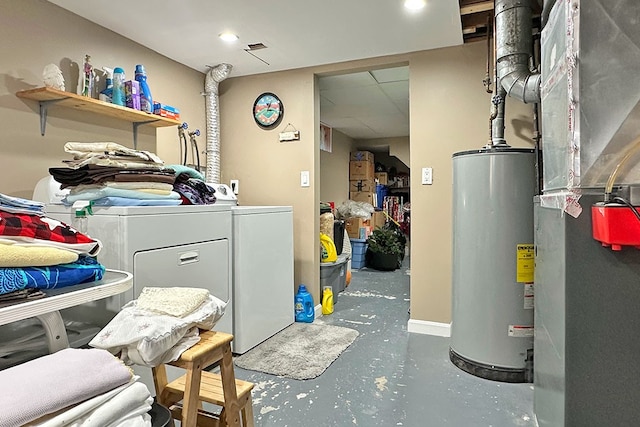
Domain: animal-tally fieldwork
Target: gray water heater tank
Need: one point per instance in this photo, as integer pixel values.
(493, 256)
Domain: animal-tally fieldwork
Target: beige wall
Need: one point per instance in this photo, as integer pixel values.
(449, 113)
(449, 110)
(34, 33)
(269, 170)
(334, 170)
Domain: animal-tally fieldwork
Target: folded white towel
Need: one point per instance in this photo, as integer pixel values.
(146, 338)
(53, 382)
(177, 302)
(125, 403)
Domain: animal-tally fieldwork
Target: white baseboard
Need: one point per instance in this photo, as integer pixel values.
(318, 311)
(429, 328)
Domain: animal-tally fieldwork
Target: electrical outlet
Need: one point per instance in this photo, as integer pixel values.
(235, 186)
(427, 176)
(304, 179)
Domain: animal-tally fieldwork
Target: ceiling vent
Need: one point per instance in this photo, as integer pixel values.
(255, 46)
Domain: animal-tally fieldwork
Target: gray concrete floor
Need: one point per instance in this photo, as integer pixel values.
(387, 377)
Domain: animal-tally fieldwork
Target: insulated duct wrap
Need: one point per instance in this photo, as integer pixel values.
(212, 79)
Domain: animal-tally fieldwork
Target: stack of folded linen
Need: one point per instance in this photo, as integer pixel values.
(74, 387)
(110, 174)
(160, 325)
(38, 252)
(191, 186)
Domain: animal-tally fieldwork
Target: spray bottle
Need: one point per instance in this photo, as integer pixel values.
(88, 77)
(106, 94)
(81, 209)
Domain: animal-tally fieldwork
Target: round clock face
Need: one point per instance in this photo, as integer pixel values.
(268, 110)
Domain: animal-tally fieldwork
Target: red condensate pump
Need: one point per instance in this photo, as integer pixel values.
(615, 225)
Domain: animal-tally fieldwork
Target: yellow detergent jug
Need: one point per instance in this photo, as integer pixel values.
(329, 252)
(327, 300)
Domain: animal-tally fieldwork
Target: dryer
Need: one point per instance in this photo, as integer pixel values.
(263, 259)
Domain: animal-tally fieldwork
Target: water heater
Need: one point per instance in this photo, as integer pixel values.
(493, 261)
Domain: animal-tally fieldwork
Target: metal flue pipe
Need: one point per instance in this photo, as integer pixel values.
(514, 48)
(514, 41)
(212, 79)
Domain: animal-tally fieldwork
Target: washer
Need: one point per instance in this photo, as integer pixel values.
(263, 298)
(186, 245)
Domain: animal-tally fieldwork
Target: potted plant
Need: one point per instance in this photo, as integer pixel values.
(385, 249)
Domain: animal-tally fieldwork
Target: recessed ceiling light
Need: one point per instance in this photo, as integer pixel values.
(414, 4)
(228, 37)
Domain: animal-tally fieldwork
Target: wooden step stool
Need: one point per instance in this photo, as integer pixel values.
(198, 386)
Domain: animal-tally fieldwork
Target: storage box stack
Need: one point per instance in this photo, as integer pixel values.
(358, 228)
(382, 178)
(358, 251)
(378, 219)
(361, 177)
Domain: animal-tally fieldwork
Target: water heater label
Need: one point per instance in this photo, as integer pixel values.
(528, 296)
(525, 263)
(520, 331)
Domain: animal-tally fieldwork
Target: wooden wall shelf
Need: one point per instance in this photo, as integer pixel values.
(47, 96)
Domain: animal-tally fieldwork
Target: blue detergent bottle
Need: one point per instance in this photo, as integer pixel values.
(146, 100)
(304, 307)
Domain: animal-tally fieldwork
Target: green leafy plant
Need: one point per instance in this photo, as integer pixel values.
(386, 241)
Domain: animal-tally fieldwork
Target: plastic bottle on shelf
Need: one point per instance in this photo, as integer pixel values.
(117, 95)
(106, 94)
(304, 308)
(146, 100)
(88, 77)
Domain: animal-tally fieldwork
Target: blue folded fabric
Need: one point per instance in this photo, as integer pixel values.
(191, 172)
(123, 201)
(16, 204)
(85, 269)
(94, 194)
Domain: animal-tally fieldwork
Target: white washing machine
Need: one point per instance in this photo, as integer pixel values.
(186, 245)
(263, 297)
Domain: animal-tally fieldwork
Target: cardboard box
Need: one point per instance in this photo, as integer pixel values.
(132, 94)
(360, 170)
(382, 177)
(378, 219)
(362, 156)
(362, 196)
(366, 185)
(357, 227)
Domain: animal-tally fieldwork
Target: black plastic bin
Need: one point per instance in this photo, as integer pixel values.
(338, 234)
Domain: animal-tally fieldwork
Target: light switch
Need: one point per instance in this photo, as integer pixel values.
(304, 179)
(427, 176)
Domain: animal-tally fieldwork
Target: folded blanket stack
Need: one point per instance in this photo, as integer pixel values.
(38, 252)
(160, 325)
(110, 174)
(74, 387)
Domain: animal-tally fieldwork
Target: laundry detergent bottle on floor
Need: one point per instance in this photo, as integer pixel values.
(327, 300)
(304, 308)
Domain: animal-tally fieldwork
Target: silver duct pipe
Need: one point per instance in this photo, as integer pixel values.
(514, 41)
(497, 124)
(514, 48)
(212, 79)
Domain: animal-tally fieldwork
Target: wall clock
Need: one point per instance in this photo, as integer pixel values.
(268, 110)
